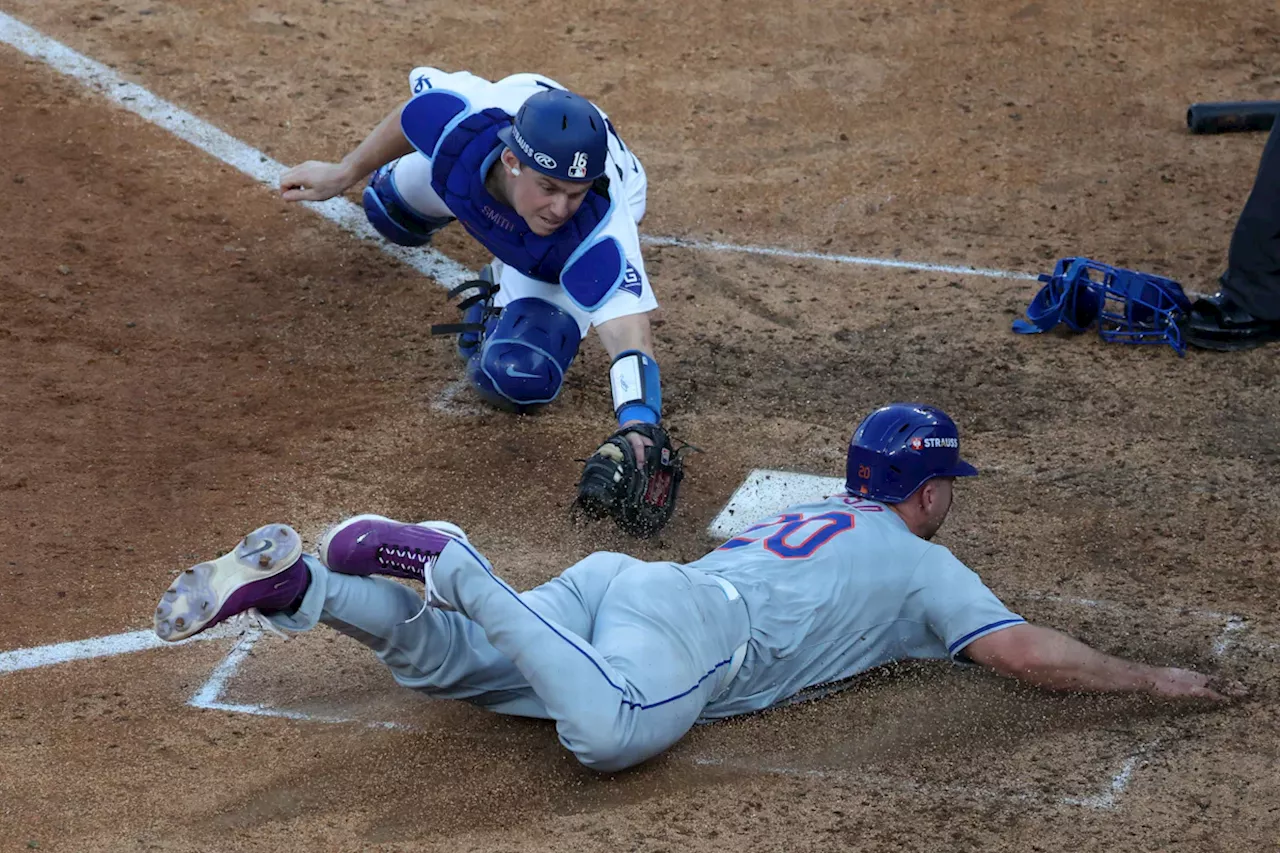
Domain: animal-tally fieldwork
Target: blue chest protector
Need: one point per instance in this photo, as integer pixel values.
(463, 146)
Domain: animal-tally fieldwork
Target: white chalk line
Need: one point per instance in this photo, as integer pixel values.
(1228, 637)
(1231, 635)
(1107, 798)
(1202, 615)
(37, 657)
(209, 695)
(857, 260)
(212, 689)
(447, 402)
(1104, 800)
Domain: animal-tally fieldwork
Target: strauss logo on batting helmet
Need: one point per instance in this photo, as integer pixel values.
(898, 448)
(560, 134)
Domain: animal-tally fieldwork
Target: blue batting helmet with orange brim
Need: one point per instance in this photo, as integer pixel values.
(898, 448)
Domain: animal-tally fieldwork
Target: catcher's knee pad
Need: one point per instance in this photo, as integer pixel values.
(524, 355)
(393, 218)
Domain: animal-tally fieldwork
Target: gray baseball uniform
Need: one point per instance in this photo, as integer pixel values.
(627, 655)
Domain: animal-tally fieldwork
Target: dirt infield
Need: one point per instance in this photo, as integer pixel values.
(187, 358)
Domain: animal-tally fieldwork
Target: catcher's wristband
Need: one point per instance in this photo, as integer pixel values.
(637, 387)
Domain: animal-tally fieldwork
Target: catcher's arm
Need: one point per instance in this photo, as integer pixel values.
(634, 476)
(316, 181)
(1054, 661)
(620, 335)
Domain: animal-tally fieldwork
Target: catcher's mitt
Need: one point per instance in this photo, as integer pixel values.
(640, 495)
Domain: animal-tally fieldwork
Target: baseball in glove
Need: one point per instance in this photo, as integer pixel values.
(640, 494)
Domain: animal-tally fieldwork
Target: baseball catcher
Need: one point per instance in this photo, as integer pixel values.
(541, 178)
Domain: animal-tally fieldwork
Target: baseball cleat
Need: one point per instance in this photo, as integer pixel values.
(376, 545)
(264, 572)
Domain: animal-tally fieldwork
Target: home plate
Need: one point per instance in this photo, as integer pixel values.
(766, 493)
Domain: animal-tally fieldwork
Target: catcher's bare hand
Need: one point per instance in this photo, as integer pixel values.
(1175, 683)
(315, 181)
(638, 441)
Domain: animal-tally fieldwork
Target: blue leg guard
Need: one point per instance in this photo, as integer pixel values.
(524, 356)
(392, 217)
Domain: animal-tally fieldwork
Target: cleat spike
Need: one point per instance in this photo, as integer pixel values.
(264, 570)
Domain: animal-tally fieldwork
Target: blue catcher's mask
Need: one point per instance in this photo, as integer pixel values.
(1129, 307)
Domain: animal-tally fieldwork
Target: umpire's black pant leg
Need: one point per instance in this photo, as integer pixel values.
(1252, 279)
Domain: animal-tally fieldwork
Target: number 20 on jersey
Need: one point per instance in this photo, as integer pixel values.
(794, 535)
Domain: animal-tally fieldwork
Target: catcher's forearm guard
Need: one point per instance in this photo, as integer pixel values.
(640, 495)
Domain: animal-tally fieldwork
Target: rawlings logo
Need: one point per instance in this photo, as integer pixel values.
(579, 167)
(546, 161)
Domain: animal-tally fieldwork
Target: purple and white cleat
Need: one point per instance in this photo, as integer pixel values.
(264, 572)
(376, 545)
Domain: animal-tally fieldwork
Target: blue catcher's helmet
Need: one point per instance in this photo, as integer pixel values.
(1130, 307)
(898, 447)
(560, 134)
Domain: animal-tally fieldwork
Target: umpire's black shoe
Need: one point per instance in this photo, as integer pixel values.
(1218, 323)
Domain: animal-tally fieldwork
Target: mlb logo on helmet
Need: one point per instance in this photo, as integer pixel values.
(917, 443)
(578, 170)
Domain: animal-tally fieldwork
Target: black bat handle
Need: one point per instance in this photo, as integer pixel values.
(1231, 116)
